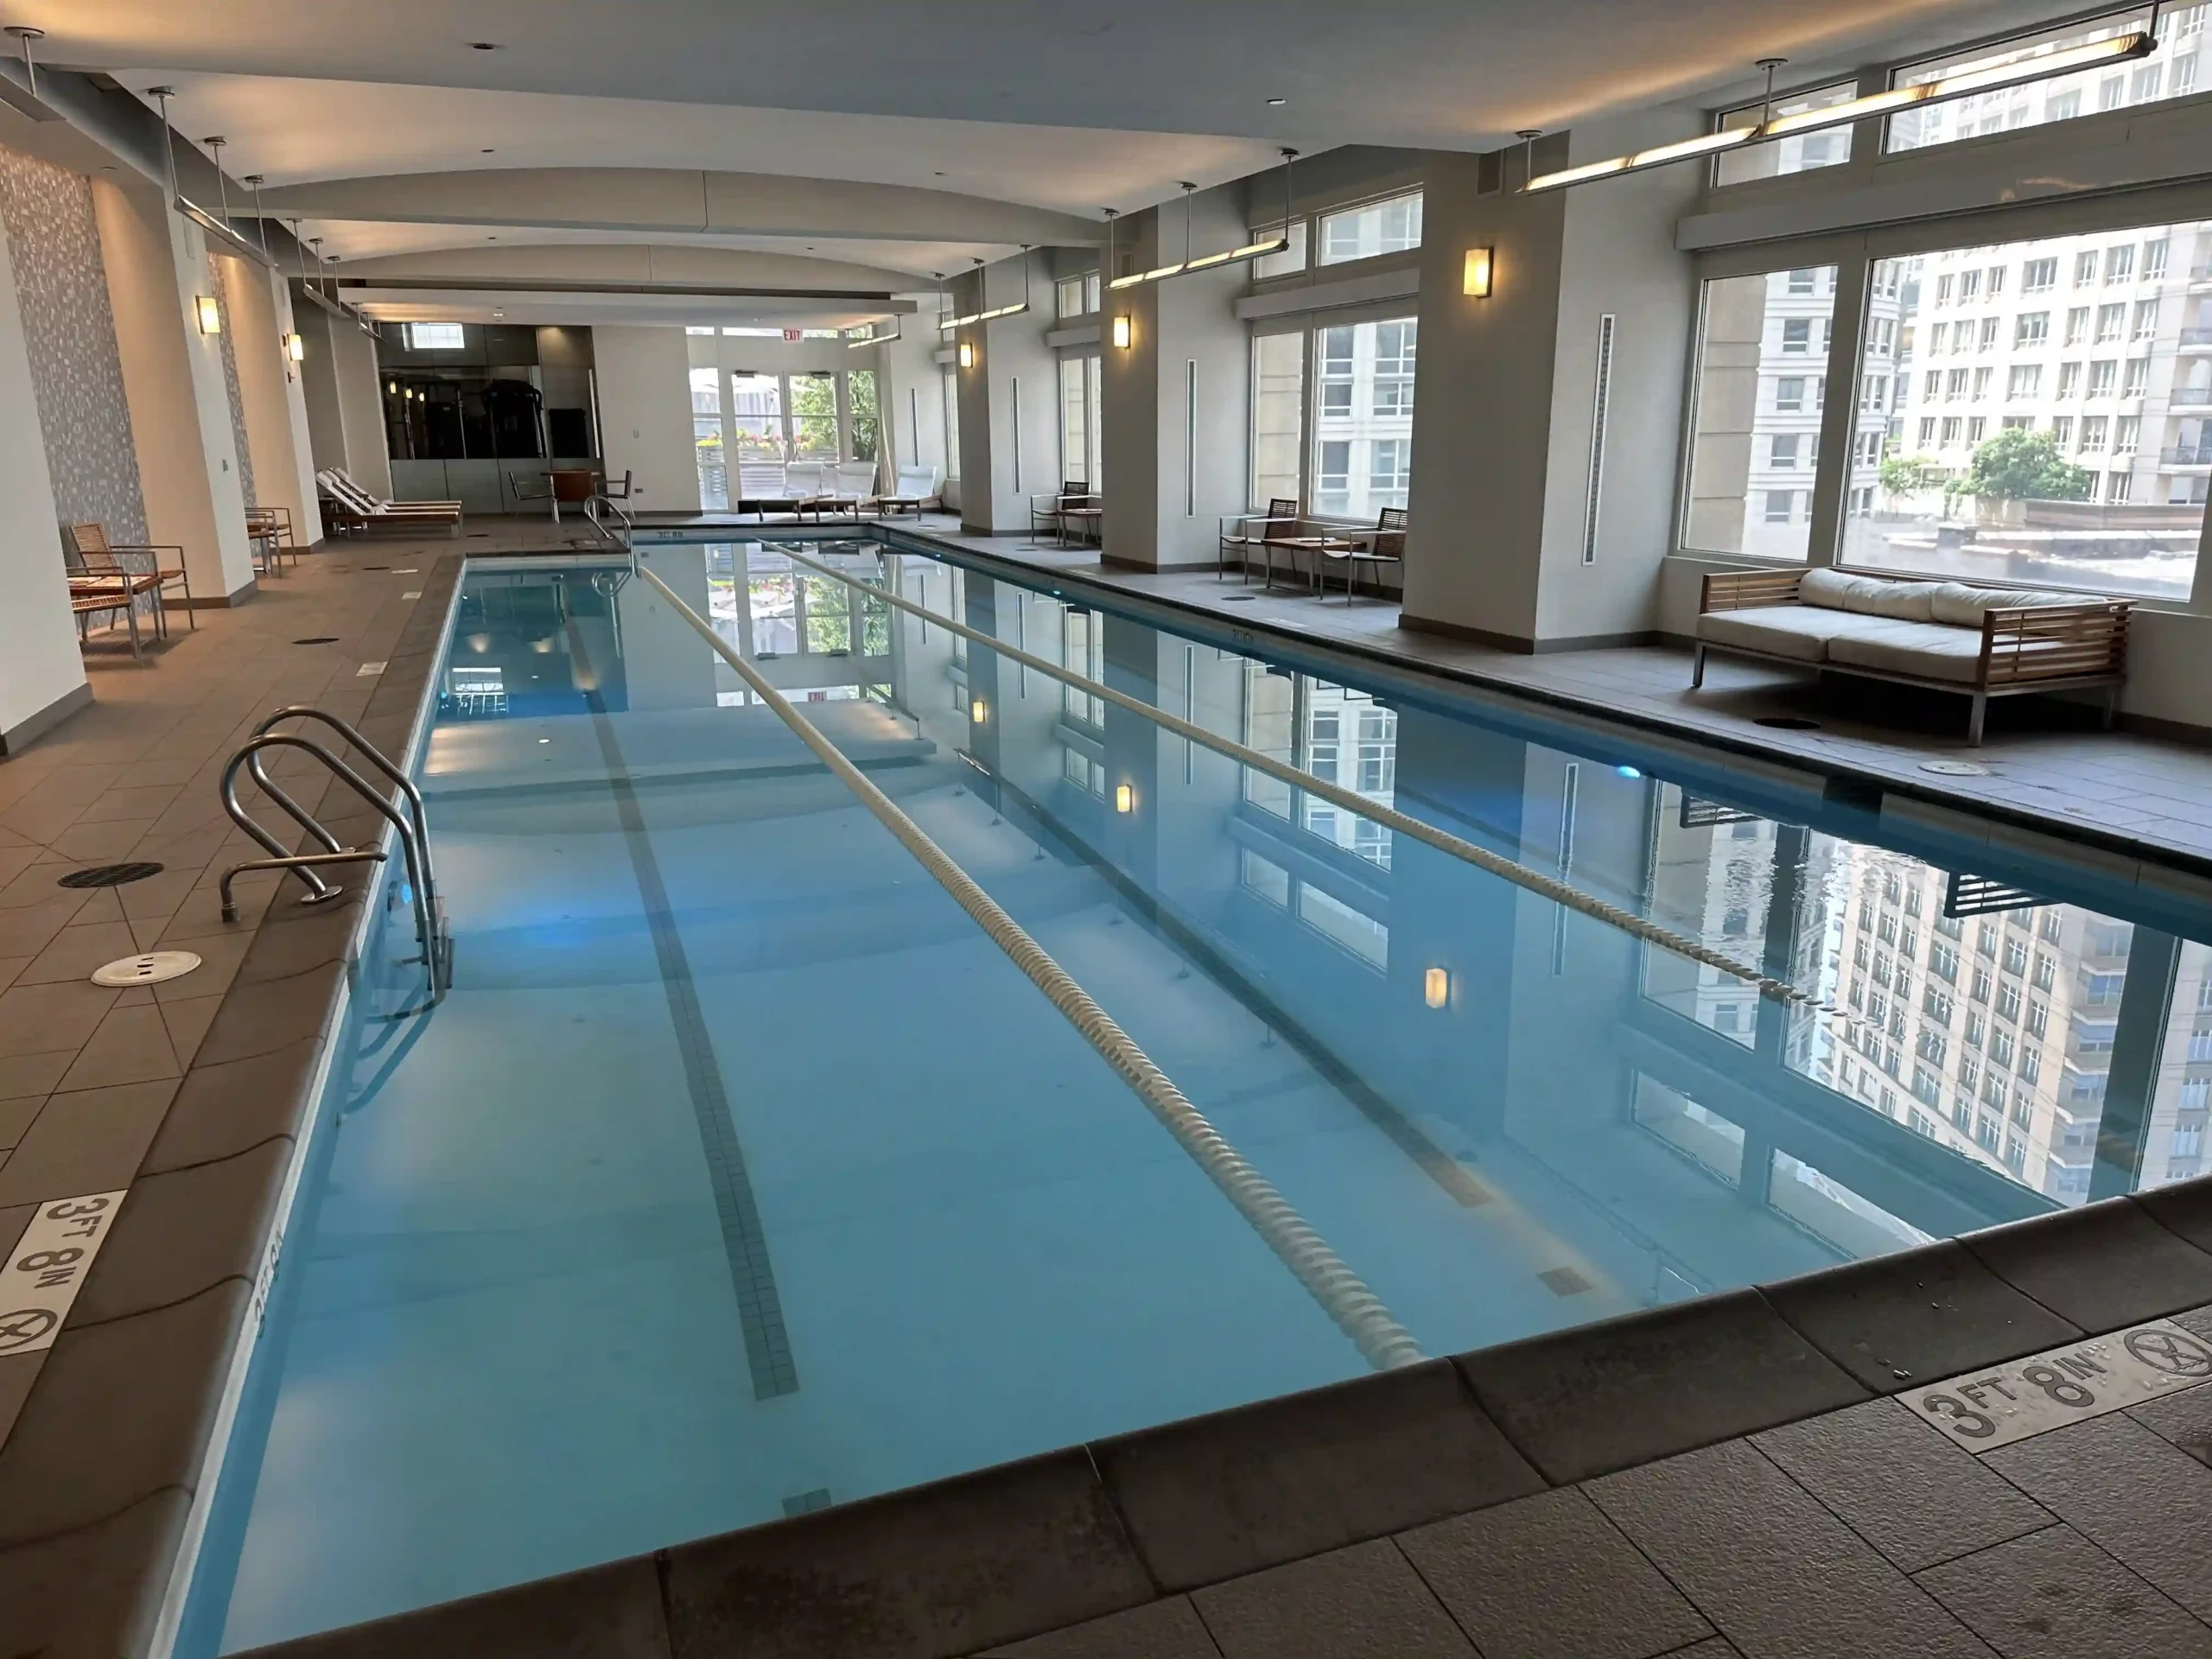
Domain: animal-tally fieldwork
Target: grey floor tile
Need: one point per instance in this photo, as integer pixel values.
(37, 1019)
(2103, 1266)
(73, 952)
(2184, 1420)
(96, 1589)
(89, 1141)
(1914, 1495)
(1161, 1630)
(2134, 1495)
(2055, 1595)
(1350, 1604)
(17, 1372)
(1916, 1316)
(1550, 1577)
(1238, 1491)
(188, 1019)
(131, 1044)
(1760, 1557)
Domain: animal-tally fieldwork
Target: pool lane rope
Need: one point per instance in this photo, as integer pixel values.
(1520, 875)
(1356, 1309)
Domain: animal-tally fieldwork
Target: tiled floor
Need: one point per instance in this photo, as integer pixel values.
(1862, 1532)
(2045, 763)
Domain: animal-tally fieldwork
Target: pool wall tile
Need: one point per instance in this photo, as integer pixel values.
(95, 1590)
(2103, 1266)
(1585, 1401)
(1895, 1320)
(118, 1412)
(603, 1612)
(937, 1570)
(1216, 1497)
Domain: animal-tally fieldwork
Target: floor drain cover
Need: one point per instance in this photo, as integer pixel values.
(108, 875)
(318, 639)
(1240, 599)
(376, 567)
(149, 969)
(1787, 723)
(1955, 768)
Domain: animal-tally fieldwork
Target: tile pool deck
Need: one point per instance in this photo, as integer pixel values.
(1735, 1472)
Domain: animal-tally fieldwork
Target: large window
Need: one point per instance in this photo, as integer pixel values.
(1290, 261)
(707, 440)
(1278, 416)
(1762, 381)
(1797, 154)
(1362, 417)
(1080, 427)
(2171, 71)
(2077, 451)
(436, 337)
(1076, 297)
(951, 384)
(867, 414)
(1380, 227)
(814, 416)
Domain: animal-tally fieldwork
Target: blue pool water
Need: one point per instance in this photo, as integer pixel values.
(739, 1174)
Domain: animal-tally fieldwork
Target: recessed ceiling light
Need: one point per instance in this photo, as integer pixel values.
(491, 239)
(488, 152)
(1277, 103)
(484, 46)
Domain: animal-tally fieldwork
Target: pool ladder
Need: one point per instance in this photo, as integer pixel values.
(412, 828)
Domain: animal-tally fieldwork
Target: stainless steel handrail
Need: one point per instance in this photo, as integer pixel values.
(375, 758)
(627, 540)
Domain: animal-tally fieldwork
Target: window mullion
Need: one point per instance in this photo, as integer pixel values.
(1846, 379)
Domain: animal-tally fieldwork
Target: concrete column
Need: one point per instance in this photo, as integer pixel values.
(271, 404)
(1508, 545)
(913, 402)
(173, 378)
(644, 416)
(360, 402)
(1009, 400)
(41, 676)
(1177, 402)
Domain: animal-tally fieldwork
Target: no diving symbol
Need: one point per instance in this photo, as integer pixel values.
(2177, 1356)
(25, 1327)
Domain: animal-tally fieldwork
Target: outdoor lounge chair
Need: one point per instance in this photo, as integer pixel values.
(916, 490)
(356, 509)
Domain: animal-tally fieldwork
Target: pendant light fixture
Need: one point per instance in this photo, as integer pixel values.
(989, 315)
(1229, 255)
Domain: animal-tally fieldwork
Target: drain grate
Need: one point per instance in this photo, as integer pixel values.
(108, 875)
(1240, 599)
(318, 639)
(1787, 723)
(376, 567)
(156, 968)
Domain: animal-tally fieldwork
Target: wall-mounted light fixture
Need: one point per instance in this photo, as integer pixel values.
(1436, 987)
(1123, 333)
(967, 354)
(1476, 280)
(295, 347)
(1125, 799)
(210, 314)
(2140, 43)
(391, 387)
(976, 711)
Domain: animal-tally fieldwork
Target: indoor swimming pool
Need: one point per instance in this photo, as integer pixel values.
(741, 1174)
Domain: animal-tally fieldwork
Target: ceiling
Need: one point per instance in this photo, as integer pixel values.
(973, 123)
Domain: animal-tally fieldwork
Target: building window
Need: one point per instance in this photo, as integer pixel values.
(437, 337)
(2062, 98)
(1759, 336)
(1796, 155)
(1362, 415)
(2077, 325)
(1278, 417)
(1079, 436)
(951, 384)
(1381, 227)
(1290, 261)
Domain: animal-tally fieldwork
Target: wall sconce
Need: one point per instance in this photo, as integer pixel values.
(210, 314)
(1436, 987)
(976, 711)
(295, 347)
(1125, 799)
(967, 354)
(392, 387)
(1477, 280)
(1121, 334)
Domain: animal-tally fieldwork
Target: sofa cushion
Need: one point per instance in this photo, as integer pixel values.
(1930, 650)
(1829, 589)
(1962, 605)
(1800, 632)
(1901, 601)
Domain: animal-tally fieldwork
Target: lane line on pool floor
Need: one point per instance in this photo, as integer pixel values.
(759, 1307)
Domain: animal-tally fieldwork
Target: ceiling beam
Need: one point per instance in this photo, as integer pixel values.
(673, 200)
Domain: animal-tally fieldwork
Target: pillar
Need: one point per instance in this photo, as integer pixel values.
(1528, 533)
(173, 379)
(271, 403)
(41, 676)
(1176, 401)
(1009, 398)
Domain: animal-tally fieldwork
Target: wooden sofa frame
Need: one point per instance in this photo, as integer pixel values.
(2024, 649)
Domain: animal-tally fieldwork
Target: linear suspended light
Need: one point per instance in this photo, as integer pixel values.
(951, 323)
(2121, 48)
(1227, 256)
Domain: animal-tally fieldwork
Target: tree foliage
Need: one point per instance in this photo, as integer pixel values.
(2018, 464)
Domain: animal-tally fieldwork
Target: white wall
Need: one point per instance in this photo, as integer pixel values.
(913, 400)
(645, 414)
(41, 676)
(361, 407)
(269, 391)
(995, 491)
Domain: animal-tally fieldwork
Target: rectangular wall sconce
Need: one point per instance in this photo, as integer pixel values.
(1476, 282)
(1125, 799)
(295, 347)
(1121, 334)
(1436, 987)
(976, 711)
(210, 314)
(967, 354)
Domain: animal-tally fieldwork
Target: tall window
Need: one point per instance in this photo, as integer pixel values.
(950, 382)
(1278, 416)
(1380, 227)
(868, 415)
(2047, 495)
(2169, 71)
(707, 440)
(756, 410)
(1762, 376)
(1362, 417)
(1079, 425)
(814, 416)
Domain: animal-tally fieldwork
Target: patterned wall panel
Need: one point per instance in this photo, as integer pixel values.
(61, 283)
(230, 378)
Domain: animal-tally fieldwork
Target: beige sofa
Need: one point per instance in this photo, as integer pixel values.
(1946, 635)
